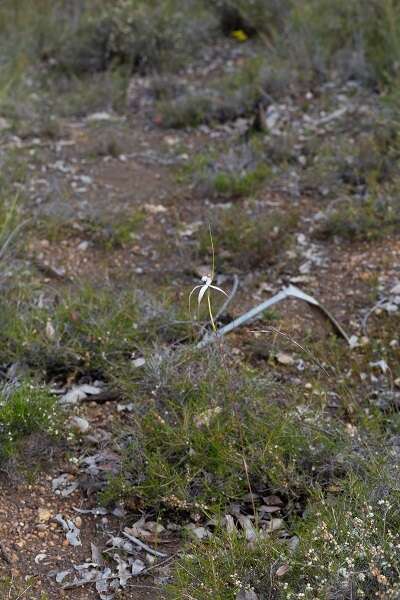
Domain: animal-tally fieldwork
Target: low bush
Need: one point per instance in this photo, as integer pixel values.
(245, 241)
(26, 409)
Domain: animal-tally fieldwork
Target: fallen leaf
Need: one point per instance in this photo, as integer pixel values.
(137, 567)
(39, 558)
(283, 569)
(275, 524)
(380, 364)
(79, 392)
(63, 486)
(97, 557)
(293, 543)
(248, 527)
(285, 359)
(273, 500)
(396, 289)
(230, 524)
(80, 424)
(44, 515)
(61, 575)
(50, 331)
(198, 533)
(139, 362)
(71, 530)
(124, 572)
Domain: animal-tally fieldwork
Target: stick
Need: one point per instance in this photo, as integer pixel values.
(144, 546)
(289, 292)
(369, 313)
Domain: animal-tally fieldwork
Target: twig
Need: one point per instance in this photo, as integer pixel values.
(289, 292)
(364, 323)
(142, 586)
(142, 545)
(82, 582)
(23, 593)
(160, 564)
(293, 341)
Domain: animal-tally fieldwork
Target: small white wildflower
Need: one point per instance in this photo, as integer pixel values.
(205, 287)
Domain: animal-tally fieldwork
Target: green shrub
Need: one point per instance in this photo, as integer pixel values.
(371, 218)
(247, 241)
(189, 450)
(345, 546)
(26, 409)
(360, 39)
(90, 328)
(246, 184)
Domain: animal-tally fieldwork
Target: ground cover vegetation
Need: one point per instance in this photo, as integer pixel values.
(266, 464)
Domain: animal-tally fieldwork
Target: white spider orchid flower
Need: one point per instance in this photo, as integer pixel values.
(204, 288)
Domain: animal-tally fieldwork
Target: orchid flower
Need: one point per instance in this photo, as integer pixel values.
(206, 286)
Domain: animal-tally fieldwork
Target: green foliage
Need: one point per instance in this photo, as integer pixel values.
(224, 99)
(24, 410)
(187, 111)
(91, 328)
(222, 567)
(106, 233)
(371, 218)
(235, 185)
(191, 450)
(14, 588)
(361, 39)
(152, 36)
(347, 547)
(249, 241)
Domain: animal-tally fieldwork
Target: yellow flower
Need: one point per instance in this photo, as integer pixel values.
(240, 35)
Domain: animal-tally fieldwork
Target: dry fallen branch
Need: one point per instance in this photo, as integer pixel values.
(142, 545)
(289, 292)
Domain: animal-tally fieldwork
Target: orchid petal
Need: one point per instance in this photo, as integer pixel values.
(191, 293)
(214, 287)
(203, 290)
